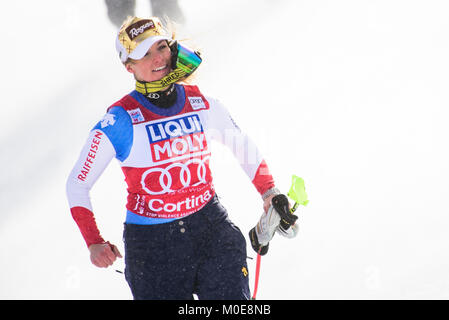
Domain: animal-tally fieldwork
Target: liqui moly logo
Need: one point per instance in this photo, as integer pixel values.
(177, 138)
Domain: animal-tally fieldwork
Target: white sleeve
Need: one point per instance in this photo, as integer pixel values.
(95, 156)
(221, 127)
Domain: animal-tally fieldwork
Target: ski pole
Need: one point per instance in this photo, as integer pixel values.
(256, 280)
(298, 194)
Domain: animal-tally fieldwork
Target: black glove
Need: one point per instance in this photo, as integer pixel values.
(277, 218)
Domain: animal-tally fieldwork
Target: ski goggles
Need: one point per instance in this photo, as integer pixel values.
(184, 61)
(187, 60)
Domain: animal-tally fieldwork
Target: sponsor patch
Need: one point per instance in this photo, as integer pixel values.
(197, 103)
(139, 27)
(136, 115)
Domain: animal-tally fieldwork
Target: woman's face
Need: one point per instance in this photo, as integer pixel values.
(155, 65)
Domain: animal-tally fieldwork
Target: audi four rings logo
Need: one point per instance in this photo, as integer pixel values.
(168, 177)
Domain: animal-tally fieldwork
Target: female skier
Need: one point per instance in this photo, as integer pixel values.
(178, 238)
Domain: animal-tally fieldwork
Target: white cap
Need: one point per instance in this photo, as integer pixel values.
(137, 35)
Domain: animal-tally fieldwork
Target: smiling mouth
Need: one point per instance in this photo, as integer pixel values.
(160, 68)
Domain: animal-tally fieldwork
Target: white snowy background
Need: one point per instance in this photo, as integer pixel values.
(350, 95)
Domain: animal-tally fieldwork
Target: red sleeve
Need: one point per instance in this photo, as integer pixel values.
(263, 180)
(85, 220)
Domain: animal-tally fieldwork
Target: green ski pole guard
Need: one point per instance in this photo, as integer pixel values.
(298, 193)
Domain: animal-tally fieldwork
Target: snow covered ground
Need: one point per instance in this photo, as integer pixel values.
(350, 95)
